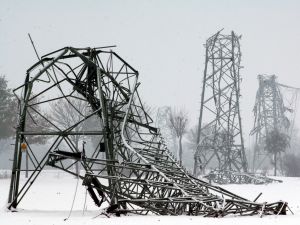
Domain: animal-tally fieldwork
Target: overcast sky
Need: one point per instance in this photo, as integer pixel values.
(163, 40)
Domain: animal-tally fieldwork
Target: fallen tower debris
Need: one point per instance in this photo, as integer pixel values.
(233, 177)
(130, 167)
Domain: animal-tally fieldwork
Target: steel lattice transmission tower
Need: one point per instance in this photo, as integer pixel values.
(220, 138)
(129, 167)
(269, 112)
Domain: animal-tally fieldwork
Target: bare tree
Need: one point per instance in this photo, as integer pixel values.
(162, 121)
(276, 142)
(177, 122)
(192, 138)
(68, 113)
(192, 143)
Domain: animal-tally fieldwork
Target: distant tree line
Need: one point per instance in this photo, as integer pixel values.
(9, 115)
(7, 110)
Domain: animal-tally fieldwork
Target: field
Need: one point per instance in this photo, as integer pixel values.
(50, 199)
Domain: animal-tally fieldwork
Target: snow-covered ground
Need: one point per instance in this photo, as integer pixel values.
(49, 202)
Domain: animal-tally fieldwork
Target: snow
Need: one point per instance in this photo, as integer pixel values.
(49, 202)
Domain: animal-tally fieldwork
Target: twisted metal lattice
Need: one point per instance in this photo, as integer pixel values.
(129, 167)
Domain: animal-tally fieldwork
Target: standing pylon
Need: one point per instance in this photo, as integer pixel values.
(220, 140)
(269, 112)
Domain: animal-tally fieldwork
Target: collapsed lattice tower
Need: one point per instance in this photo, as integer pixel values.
(129, 166)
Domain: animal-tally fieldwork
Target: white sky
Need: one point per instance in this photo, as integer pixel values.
(163, 40)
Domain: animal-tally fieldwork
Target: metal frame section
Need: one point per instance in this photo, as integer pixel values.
(220, 137)
(130, 167)
(269, 112)
(233, 177)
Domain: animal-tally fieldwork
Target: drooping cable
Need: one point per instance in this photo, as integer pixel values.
(74, 197)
